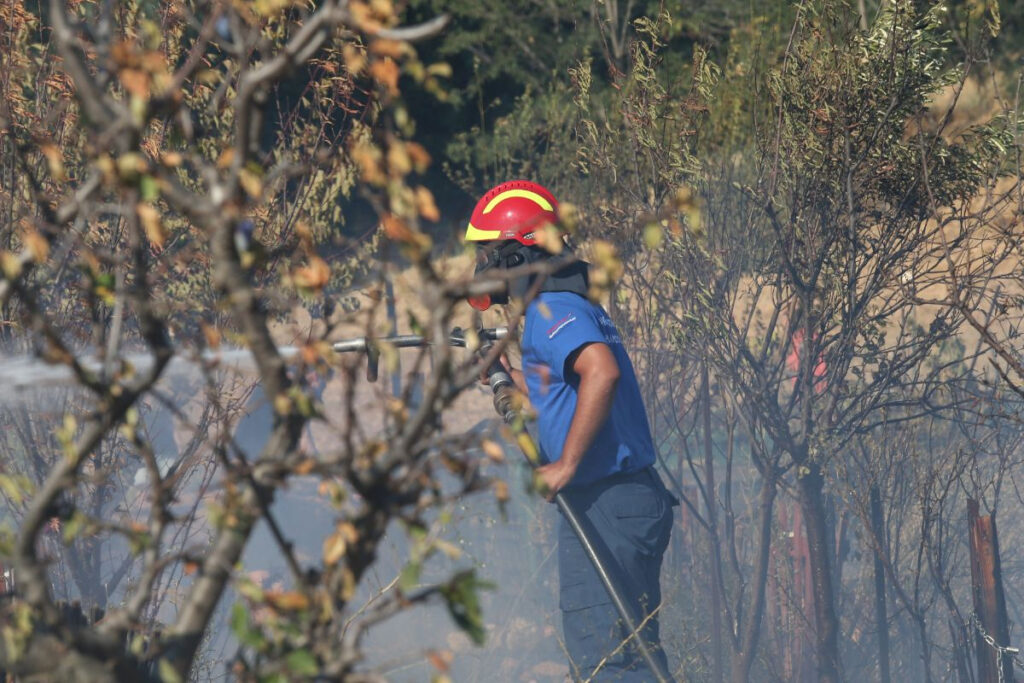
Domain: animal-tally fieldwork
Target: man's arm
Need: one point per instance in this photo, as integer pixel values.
(599, 375)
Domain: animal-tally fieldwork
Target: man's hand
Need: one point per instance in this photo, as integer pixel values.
(553, 477)
(516, 375)
(599, 375)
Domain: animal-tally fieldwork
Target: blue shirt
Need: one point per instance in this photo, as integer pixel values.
(556, 325)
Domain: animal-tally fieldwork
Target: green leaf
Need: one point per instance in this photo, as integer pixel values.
(302, 662)
(240, 626)
(464, 603)
(149, 189)
(168, 674)
(410, 576)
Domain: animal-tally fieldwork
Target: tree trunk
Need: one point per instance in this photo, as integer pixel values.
(743, 660)
(715, 556)
(826, 622)
(989, 602)
(881, 616)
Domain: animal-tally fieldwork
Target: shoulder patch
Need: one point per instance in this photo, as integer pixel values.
(558, 326)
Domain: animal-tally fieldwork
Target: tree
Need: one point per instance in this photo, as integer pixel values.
(172, 189)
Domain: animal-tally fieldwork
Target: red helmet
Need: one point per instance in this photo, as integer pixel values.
(514, 210)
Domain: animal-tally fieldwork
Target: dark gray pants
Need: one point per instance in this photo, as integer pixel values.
(630, 519)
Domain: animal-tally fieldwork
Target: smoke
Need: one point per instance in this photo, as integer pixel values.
(510, 547)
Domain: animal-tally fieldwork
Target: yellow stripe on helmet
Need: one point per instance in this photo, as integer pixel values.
(475, 234)
(525, 194)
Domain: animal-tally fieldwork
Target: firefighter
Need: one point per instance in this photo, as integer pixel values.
(595, 441)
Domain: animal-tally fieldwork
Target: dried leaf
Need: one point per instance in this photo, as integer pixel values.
(450, 550)
(227, 155)
(282, 404)
(212, 335)
(130, 166)
(149, 217)
(399, 161)
(355, 59)
(501, 491)
(315, 276)
(11, 265)
(419, 155)
(440, 659)
(384, 47)
(54, 160)
(251, 183)
(549, 238)
(385, 72)
(334, 548)
(368, 158)
(425, 204)
(37, 244)
(287, 601)
(395, 228)
(136, 82)
(363, 17)
(653, 235)
(493, 450)
(171, 159)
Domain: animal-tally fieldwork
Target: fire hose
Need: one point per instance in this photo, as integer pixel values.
(503, 389)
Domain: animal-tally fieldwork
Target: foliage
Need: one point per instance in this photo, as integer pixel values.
(176, 178)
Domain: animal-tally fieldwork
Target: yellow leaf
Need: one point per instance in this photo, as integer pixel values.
(440, 659)
(288, 601)
(399, 161)
(54, 160)
(384, 47)
(267, 8)
(171, 159)
(130, 166)
(315, 276)
(334, 548)
(37, 244)
(227, 155)
(368, 158)
(348, 584)
(493, 450)
(364, 17)
(568, 216)
(440, 69)
(549, 238)
(419, 155)
(135, 82)
(282, 404)
(149, 217)
(384, 9)
(251, 183)
(451, 550)
(355, 59)
(212, 335)
(652, 235)
(426, 206)
(11, 265)
(397, 229)
(385, 72)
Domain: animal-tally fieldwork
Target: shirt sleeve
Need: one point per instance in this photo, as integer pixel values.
(562, 329)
